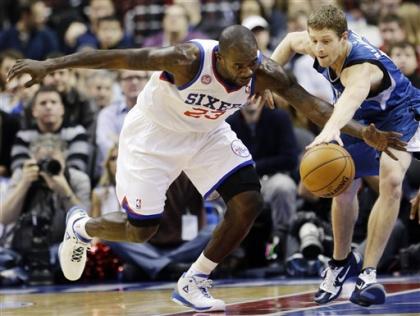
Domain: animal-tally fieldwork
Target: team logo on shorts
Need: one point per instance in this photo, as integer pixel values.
(205, 79)
(239, 149)
(138, 203)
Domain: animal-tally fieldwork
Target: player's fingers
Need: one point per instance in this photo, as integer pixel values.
(413, 210)
(30, 83)
(269, 98)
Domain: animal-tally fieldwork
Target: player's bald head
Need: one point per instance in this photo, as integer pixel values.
(237, 39)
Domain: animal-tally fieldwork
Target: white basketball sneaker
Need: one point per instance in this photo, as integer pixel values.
(72, 251)
(193, 292)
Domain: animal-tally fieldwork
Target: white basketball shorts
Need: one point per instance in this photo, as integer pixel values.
(151, 157)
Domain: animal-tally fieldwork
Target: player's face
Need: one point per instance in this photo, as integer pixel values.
(326, 45)
(240, 67)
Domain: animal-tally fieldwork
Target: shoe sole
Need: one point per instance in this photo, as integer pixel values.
(177, 298)
(378, 293)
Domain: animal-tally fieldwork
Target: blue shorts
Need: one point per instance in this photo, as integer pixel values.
(366, 159)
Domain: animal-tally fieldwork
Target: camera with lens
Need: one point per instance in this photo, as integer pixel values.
(50, 166)
(308, 229)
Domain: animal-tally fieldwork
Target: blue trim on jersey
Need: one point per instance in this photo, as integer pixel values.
(137, 216)
(254, 76)
(214, 187)
(200, 69)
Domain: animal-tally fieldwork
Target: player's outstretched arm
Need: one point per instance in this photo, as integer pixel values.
(170, 59)
(272, 76)
(295, 42)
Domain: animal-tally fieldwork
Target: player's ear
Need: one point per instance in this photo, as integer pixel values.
(345, 35)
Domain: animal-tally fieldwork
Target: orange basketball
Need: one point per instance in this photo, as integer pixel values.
(327, 170)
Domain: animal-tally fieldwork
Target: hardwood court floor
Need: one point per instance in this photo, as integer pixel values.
(258, 297)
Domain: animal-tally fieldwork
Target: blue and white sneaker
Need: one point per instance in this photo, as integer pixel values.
(367, 290)
(72, 251)
(192, 292)
(334, 278)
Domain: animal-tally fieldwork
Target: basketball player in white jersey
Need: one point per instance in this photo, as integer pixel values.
(179, 125)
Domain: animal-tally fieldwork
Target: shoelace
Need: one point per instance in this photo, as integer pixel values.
(204, 287)
(79, 252)
(330, 274)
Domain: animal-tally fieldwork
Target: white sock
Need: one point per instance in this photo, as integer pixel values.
(202, 266)
(80, 227)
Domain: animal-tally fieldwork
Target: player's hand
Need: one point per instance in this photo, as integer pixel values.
(36, 69)
(383, 141)
(326, 137)
(415, 207)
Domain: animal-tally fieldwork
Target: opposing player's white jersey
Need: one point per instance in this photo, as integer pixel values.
(199, 105)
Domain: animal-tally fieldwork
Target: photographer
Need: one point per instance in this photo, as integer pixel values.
(39, 195)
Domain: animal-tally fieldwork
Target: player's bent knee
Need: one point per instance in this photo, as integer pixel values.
(140, 234)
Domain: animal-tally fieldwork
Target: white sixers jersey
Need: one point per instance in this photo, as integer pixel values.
(199, 105)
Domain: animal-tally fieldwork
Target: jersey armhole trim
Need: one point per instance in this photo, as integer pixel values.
(386, 80)
(200, 68)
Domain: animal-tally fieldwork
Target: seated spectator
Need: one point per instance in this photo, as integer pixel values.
(269, 136)
(259, 26)
(410, 15)
(36, 203)
(392, 31)
(48, 112)
(9, 126)
(8, 97)
(77, 108)
(175, 28)
(28, 37)
(111, 118)
(181, 236)
(108, 34)
(78, 33)
(404, 56)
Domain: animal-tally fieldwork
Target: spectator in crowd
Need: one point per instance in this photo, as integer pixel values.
(79, 35)
(33, 40)
(259, 26)
(48, 112)
(216, 15)
(9, 126)
(404, 56)
(362, 18)
(37, 200)
(77, 107)
(108, 34)
(392, 31)
(8, 89)
(269, 136)
(111, 118)
(175, 28)
(142, 18)
(389, 6)
(22, 102)
(410, 14)
(100, 88)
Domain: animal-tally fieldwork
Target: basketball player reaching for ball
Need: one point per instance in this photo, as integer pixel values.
(179, 125)
(369, 88)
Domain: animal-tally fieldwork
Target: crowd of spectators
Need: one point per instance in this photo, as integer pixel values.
(58, 139)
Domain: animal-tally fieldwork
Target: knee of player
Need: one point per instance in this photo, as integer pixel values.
(140, 234)
(391, 184)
